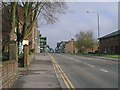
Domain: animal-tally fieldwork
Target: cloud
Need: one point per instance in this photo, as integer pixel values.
(77, 19)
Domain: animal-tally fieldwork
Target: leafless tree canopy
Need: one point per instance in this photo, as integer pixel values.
(47, 10)
(50, 10)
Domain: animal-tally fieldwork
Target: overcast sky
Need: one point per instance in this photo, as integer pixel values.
(78, 20)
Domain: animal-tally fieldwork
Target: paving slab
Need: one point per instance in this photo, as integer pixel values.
(40, 74)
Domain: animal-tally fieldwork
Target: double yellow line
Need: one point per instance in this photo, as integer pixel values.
(67, 82)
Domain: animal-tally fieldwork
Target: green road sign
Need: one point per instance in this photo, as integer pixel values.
(43, 41)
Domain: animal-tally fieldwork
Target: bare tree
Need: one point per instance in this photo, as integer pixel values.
(49, 11)
(32, 10)
(30, 13)
(25, 15)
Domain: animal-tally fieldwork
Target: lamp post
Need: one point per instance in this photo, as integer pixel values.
(97, 21)
(98, 24)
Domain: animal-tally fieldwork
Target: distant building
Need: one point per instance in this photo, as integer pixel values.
(70, 47)
(110, 44)
(66, 47)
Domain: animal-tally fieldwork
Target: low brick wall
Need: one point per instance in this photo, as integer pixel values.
(0, 75)
(9, 73)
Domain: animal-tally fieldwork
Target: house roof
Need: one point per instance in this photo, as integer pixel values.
(116, 33)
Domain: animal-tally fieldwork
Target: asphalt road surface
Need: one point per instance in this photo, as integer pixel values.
(84, 72)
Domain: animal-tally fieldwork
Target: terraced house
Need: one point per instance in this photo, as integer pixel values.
(110, 44)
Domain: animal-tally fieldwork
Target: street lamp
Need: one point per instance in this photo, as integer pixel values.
(98, 24)
(97, 21)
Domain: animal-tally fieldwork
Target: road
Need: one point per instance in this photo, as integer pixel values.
(84, 72)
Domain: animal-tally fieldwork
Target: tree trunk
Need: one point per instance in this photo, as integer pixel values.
(13, 9)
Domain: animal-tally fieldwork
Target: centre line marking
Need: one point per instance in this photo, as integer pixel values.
(103, 70)
(89, 65)
(80, 62)
(77, 61)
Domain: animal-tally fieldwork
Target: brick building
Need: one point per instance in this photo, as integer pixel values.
(70, 47)
(110, 44)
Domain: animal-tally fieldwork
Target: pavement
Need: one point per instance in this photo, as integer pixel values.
(40, 74)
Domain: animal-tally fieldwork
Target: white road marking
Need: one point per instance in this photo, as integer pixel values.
(77, 61)
(89, 65)
(68, 57)
(85, 63)
(80, 61)
(103, 70)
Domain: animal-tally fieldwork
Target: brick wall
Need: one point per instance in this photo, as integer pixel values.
(110, 45)
(9, 73)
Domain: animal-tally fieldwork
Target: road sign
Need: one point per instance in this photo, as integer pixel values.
(43, 41)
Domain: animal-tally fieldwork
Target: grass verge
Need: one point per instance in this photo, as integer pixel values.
(100, 55)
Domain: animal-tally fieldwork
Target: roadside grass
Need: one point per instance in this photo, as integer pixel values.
(113, 56)
(100, 55)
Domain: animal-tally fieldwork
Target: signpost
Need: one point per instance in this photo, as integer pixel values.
(43, 41)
